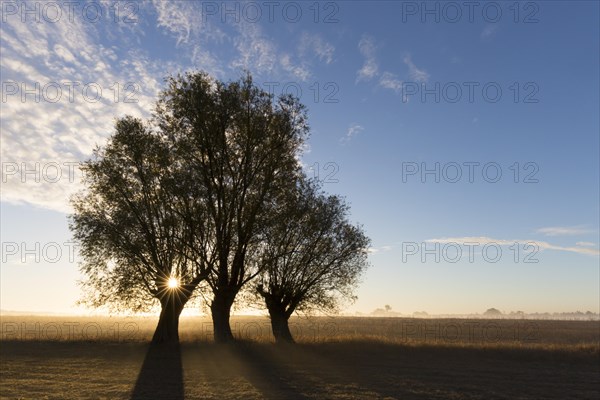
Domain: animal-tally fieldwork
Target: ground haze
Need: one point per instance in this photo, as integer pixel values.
(336, 358)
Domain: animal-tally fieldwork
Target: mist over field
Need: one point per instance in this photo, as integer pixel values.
(337, 357)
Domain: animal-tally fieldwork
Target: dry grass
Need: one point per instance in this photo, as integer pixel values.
(336, 358)
(408, 331)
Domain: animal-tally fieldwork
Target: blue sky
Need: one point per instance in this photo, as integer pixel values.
(369, 73)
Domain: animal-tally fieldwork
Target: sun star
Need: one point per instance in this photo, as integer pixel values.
(173, 283)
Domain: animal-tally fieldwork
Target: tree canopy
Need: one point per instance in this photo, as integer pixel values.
(133, 225)
(210, 189)
(312, 255)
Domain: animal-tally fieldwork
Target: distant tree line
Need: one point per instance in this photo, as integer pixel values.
(209, 192)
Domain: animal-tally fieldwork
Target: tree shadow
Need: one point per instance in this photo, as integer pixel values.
(271, 378)
(161, 376)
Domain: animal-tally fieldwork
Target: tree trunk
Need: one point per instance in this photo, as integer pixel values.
(221, 310)
(167, 330)
(280, 325)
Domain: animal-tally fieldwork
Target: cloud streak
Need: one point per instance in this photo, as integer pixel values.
(315, 44)
(370, 68)
(488, 31)
(387, 80)
(353, 130)
(564, 231)
(416, 74)
(483, 240)
(390, 81)
(586, 244)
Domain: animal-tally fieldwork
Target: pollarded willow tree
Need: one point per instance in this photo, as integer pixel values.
(142, 236)
(210, 189)
(312, 255)
(240, 146)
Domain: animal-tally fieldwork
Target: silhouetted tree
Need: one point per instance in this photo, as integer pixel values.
(241, 148)
(313, 256)
(138, 227)
(492, 312)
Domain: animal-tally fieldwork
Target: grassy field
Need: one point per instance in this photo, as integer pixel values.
(335, 358)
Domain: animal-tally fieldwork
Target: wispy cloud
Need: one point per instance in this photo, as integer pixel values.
(62, 131)
(257, 53)
(353, 130)
(416, 74)
(310, 48)
(175, 19)
(586, 244)
(260, 54)
(209, 44)
(488, 31)
(370, 68)
(298, 71)
(111, 57)
(184, 21)
(315, 44)
(381, 249)
(390, 81)
(387, 80)
(564, 231)
(483, 240)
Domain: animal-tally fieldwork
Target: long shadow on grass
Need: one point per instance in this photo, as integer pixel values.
(161, 376)
(271, 378)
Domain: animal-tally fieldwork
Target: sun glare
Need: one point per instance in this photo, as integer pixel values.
(173, 283)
